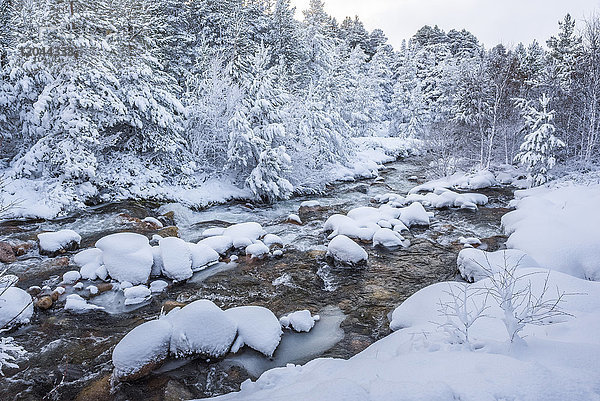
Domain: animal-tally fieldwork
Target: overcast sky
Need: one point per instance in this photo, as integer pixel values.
(492, 21)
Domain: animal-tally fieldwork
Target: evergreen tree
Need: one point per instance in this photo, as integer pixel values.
(537, 152)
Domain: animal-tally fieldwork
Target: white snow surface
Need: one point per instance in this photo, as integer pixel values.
(558, 227)
(257, 250)
(389, 239)
(158, 286)
(127, 257)
(176, 258)
(137, 294)
(55, 241)
(202, 256)
(300, 321)
(16, 306)
(71, 277)
(77, 304)
(219, 243)
(343, 249)
(201, 328)
(145, 345)
(258, 328)
(272, 239)
(475, 264)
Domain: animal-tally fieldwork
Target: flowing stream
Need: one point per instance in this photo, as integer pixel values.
(69, 356)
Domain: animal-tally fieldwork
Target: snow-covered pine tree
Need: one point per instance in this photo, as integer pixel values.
(537, 152)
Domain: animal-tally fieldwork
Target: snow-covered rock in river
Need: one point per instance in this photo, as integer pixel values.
(475, 264)
(257, 250)
(71, 277)
(342, 249)
(202, 256)
(244, 234)
(77, 304)
(389, 239)
(55, 242)
(176, 258)
(158, 286)
(16, 306)
(219, 243)
(136, 295)
(258, 328)
(127, 257)
(414, 215)
(201, 329)
(300, 321)
(142, 350)
(272, 239)
(89, 262)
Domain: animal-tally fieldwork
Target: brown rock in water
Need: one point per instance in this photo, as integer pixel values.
(168, 306)
(22, 248)
(97, 391)
(34, 290)
(44, 303)
(130, 219)
(176, 391)
(7, 255)
(171, 231)
(62, 261)
(168, 219)
(103, 287)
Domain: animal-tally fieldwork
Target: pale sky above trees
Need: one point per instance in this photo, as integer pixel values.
(492, 21)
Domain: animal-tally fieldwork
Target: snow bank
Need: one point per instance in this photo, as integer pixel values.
(558, 227)
(58, 241)
(127, 257)
(342, 249)
(203, 329)
(300, 321)
(475, 264)
(258, 328)
(142, 350)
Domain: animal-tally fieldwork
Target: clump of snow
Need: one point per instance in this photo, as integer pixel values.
(71, 277)
(142, 350)
(294, 218)
(136, 295)
(78, 286)
(310, 204)
(77, 304)
(300, 321)
(202, 256)
(213, 232)
(153, 221)
(127, 257)
(389, 239)
(415, 215)
(176, 258)
(257, 250)
(258, 328)
(158, 286)
(57, 241)
(277, 253)
(16, 306)
(272, 239)
(89, 262)
(558, 227)
(201, 328)
(478, 180)
(244, 234)
(475, 264)
(342, 249)
(440, 198)
(469, 241)
(92, 289)
(219, 243)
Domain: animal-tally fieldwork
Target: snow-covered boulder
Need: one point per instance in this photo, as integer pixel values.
(89, 262)
(60, 241)
(142, 350)
(239, 232)
(176, 258)
(414, 215)
(71, 277)
(219, 243)
(272, 240)
(158, 286)
(16, 306)
(202, 329)
(258, 328)
(389, 239)
(213, 232)
(137, 294)
(300, 321)
(475, 264)
(127, 257)
(202, 256)
(77, 304)
(342, 249)
(257, 250)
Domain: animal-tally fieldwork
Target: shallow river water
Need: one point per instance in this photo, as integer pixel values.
(69, 356)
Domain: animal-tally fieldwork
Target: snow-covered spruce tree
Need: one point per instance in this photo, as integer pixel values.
(257, 129)
(537, 152)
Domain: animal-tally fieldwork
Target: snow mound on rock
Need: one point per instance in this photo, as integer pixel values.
(342, 249)
(56, 241)
(16, 306)
(258, 328)
(176, 258)
(300, 321)
(202, 256)
(127, 257)
(389, 239)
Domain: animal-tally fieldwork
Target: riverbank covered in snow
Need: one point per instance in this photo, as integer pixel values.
(47, 199)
